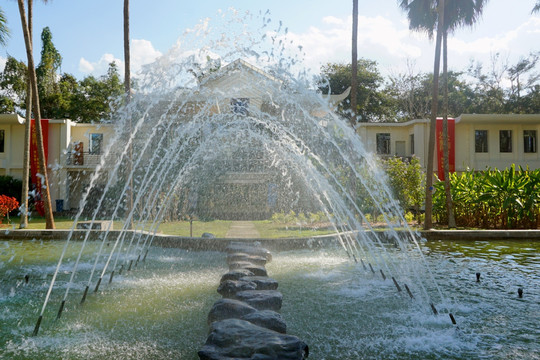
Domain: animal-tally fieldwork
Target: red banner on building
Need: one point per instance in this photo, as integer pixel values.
(34, 161)
(451, 147)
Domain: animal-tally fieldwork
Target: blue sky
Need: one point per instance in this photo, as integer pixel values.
(89, 35)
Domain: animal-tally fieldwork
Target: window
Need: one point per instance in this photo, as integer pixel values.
(95, 143)
(481, 141)
(383, 144)
(411, 137)
(240, 106)
(2, 140)
(529, 141)
(505, 141)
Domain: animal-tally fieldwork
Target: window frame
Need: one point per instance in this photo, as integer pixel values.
(383, 142)
(505, 141)
(527, 136)
(481, 147)
(92, 148)
(2, 141)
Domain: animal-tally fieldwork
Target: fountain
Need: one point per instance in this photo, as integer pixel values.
(228, 127)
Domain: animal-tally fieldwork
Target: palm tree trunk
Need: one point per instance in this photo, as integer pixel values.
(26, 158)
(27, 134)
(49, 219)
(354, 63)
(127, 89)
(428, 222)
(446, 165)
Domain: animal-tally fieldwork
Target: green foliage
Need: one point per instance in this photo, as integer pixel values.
(493, 199)
(4, 30)
(13, 86)
(406, 180)
(61, 95)
(409, 217)
(94, 96)
(373, 103)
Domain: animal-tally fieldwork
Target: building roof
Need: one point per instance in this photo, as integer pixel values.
(498, 118)
(11, 119)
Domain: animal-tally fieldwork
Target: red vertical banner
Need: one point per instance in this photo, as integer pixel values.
(451, 147)
(34, 161)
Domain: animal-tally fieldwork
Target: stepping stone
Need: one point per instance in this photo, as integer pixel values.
(236, 274)
(254, 259)
(229, 288)
(235, 247)
(262, 282)
(229, 309)
(255, 269)
(241, 340)
(261, 299)
(267, 319)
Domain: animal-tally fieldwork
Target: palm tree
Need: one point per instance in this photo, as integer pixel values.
(422, 15)
(26, 27)
(4, 30)
(457, 13)
(354, 62)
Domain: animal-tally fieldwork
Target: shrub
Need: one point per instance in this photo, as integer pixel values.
(496, 199)
(7, 204)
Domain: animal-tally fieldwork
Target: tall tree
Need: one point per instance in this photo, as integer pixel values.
(536, 7)
(422, 15)
(47, 74)
(354, 62)
(26, 27)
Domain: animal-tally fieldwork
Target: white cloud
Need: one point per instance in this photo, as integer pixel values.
(100, 67)
(516, 40)
(2, 63)
(142, 53)
(378, 39)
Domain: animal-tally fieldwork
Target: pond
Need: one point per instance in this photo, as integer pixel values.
(158, 310)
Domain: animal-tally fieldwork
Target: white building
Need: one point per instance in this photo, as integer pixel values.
(480, 141)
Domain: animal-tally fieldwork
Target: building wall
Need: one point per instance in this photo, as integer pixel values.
(465, 155)
(62, 133)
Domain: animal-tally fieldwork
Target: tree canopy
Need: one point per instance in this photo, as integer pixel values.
(61, 94)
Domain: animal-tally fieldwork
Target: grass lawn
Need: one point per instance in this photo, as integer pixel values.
(273, 230)
(181, 228)
(266, 228)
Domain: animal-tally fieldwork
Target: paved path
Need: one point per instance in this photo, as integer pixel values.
(242, 230)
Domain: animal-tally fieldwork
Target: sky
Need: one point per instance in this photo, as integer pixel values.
(89, 34)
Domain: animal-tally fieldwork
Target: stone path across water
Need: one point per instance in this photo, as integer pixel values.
(242, 230)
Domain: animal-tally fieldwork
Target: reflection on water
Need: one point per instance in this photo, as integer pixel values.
(158, 311)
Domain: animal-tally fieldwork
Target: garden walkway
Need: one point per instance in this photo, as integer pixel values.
(242, 230)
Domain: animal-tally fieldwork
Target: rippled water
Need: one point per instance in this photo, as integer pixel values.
(158, 310)
(344, 312)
